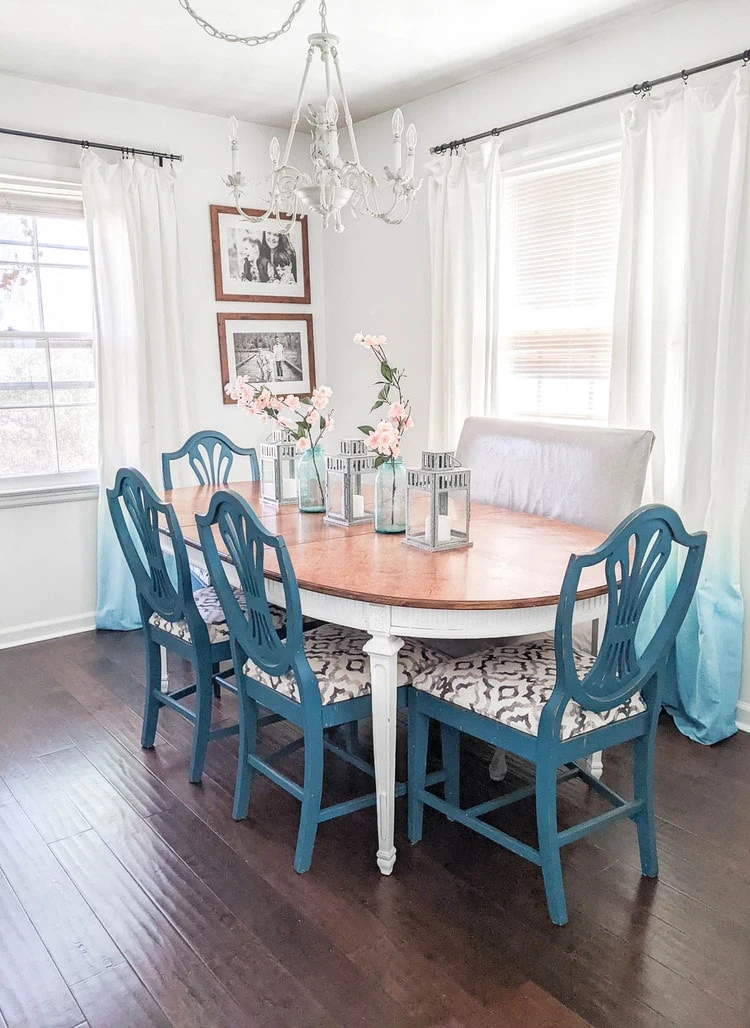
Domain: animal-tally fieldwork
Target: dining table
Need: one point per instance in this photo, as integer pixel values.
(507, 583)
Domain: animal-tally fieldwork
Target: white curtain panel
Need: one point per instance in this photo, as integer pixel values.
(139, 343)
(681, 356)
(463, 192)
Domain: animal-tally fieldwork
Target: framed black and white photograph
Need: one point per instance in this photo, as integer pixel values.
(272, 350)
(256, 262)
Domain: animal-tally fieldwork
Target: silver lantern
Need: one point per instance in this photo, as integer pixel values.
(350, 484)
(438, 503)
(278, 468)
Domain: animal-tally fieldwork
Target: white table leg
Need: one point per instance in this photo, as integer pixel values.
(596, 764)
(383, 653)
(164, 672)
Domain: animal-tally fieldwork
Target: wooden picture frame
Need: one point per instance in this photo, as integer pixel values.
(280, 274)
(252, 351)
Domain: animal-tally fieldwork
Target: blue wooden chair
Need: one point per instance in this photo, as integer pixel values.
(190, 624)
(317, 681)
(553, 706)
(211, 455)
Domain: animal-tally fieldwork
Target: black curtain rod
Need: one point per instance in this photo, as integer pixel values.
(639, 89)
(126, 151)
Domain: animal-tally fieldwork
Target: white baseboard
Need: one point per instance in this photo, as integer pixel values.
(743, 716)
(20, 635)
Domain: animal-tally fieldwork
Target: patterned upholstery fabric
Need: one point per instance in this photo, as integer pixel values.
(336, 657)
(211, 611)
(511, 684)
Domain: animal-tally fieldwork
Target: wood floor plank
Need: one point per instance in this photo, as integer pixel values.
(75, 939)
(249, 972)
(179, 981)
(118, 999)
(87, 788)
(32, 990)
(6, 796)
(53, 813)
(459, 936)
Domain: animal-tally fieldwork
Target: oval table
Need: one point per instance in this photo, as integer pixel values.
(506, 584)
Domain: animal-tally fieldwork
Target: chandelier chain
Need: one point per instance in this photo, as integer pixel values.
(231, 37)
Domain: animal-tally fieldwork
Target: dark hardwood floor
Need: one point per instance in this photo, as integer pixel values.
(129, 897)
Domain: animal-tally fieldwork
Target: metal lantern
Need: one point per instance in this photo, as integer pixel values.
(438, 503)
(278, 468)
(350, 492)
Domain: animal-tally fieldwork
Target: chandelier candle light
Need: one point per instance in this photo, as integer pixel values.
(385, 439)
(336, 182)
(306, 419)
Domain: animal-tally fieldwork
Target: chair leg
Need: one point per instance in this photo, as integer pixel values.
(451, 745)
(202, 727)
(549, 844)
(216, 669)
(351, 737)
(643, 789)
(247, 742)
(313, 792)
(151, 705)
(419, 727)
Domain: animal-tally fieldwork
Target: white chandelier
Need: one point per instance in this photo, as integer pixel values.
(335, 182)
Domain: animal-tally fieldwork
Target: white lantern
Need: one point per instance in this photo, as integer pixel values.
(350, 484)
(438, 506)
(278, 468)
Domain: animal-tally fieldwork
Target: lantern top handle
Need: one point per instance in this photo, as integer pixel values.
(439, 460)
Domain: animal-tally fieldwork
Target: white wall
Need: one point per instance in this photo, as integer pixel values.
(47, 576)
(377, 278)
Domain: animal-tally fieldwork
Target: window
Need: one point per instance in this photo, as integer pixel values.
(47, 388)
(559, 237)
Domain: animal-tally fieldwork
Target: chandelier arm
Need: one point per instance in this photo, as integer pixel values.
(345, 102)
(298, 108)
(231, 37)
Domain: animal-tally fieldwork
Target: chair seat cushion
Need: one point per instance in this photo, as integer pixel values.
(511, 684)
(337, 658)
(212, 613)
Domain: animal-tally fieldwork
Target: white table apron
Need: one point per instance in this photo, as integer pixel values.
(387, 626)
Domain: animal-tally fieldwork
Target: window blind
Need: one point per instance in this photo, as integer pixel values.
(559, 231)
(40, 197)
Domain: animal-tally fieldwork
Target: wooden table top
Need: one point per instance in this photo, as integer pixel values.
(517, 560)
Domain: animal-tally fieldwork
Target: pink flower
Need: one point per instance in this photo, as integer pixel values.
(329, 423)
(312, 417)
(359, 339)
(303, 444)
(285, 422)
(408, 422)
(292, 402)
(397, 412)
(276, 403)
(321, 396)
(264, 398)
(384, 439)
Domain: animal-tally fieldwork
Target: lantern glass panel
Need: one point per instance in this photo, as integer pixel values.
(267, 478)
(336, 494)
(288, 478)
(419, 511)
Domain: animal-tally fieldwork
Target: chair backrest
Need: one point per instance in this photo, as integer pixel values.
(210, 455)
(587, 475)
(140, 520)
(252, 633)
(634, 557)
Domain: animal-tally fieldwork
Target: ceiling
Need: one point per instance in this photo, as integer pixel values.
(391, 51)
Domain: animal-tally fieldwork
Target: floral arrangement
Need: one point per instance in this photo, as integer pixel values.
(386, 436)
(304, 416)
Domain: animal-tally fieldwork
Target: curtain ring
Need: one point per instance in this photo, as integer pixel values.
(684, 75)
(636, 90)
(745, 58)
